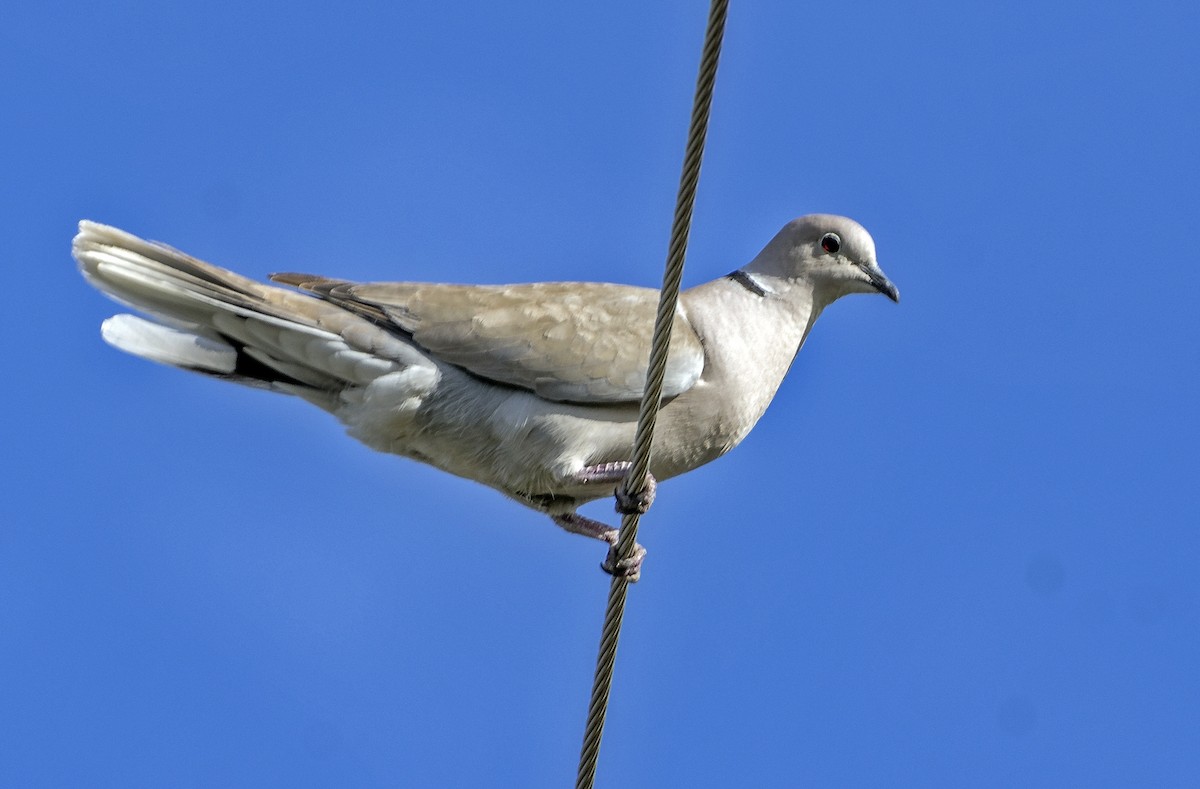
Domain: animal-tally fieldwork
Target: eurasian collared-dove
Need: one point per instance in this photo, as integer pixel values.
(530, 389)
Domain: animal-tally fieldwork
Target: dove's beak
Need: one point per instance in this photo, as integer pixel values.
(881, 283)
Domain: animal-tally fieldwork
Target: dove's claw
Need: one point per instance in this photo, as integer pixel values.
(628, 505)
(629, 568)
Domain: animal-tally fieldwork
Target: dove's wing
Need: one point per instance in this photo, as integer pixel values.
(567, 341)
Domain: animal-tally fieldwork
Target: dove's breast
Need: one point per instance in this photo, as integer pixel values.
(750, 341)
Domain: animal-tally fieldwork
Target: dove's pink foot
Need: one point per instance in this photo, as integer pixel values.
(630, 569)
(616, 472)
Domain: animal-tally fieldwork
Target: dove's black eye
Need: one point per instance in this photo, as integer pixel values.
(831, 243)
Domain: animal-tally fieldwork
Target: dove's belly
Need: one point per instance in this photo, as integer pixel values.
(502, 437)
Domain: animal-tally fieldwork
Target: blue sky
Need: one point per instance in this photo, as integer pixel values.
(959, 550)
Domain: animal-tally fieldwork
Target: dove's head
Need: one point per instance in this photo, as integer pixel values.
(835, 255)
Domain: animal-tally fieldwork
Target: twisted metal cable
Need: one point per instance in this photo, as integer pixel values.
(635, 482)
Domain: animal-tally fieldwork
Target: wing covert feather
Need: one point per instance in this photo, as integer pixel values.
(568, 341)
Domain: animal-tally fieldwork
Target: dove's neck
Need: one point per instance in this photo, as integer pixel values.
(752, 325)
(761, 324)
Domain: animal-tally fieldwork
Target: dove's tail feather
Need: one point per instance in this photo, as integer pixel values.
(213, 321)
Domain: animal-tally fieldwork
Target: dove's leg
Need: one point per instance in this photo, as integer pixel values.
(630, 569)
(615, 472)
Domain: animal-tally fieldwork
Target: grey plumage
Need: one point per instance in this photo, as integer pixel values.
(526, 388)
